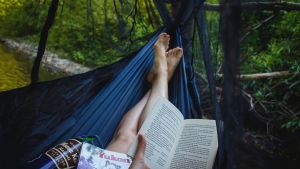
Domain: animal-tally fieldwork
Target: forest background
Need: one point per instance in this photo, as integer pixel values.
(97, 33)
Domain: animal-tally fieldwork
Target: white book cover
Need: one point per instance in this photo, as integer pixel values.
(92, 157)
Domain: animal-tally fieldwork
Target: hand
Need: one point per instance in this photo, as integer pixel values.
(138, 161)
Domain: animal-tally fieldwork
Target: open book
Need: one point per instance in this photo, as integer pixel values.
(173, 142)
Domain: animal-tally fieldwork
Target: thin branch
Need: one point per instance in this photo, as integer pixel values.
(105, 12)
(250, 98)
(154, 15)
(252, 29)
(261, 23)
(268, 6)
(43, 40)
(264, 75)
(148, 13)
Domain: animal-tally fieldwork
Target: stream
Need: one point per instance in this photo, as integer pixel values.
(15, 70)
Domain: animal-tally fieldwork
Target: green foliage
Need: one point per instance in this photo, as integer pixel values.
(92, 35)
(20, 20)
(5, 5)
(273, 47)
(100, 34)
(292, 125)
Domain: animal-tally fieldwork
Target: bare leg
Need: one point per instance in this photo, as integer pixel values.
(131, 122)
(128, 127)
(160, 81)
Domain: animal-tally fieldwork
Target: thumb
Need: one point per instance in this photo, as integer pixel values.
(140, 152)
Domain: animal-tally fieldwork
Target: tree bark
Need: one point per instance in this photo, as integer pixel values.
(256, 76)
(268, 6)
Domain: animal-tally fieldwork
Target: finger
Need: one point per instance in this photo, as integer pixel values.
(141, 147)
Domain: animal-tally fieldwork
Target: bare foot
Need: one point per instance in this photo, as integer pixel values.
(173, 58)
(162, 42)
(160, 59)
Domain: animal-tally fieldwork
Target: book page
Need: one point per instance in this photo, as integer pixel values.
(161, 128)
(197, 145)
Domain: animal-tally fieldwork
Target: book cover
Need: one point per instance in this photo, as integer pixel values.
(92, 157)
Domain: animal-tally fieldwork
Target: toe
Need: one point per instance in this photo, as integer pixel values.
(166, 38)
(171, 52)
(163, 35)
(174, 51)
(178, 52)
(167, 54)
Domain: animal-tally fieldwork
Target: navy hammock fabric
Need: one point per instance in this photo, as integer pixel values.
(41, 115)
(89, 104)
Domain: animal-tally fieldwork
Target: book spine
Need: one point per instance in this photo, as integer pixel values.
(64, 155)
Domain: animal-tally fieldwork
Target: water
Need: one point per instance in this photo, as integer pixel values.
(15, 70)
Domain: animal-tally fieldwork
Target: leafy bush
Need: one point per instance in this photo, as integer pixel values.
(81, 32)
(293, 124)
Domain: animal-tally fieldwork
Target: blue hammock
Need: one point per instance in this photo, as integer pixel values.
(101, 115)
(36, 117)
(85, 104)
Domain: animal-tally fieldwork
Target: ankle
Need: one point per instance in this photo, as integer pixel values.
(163, 74)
